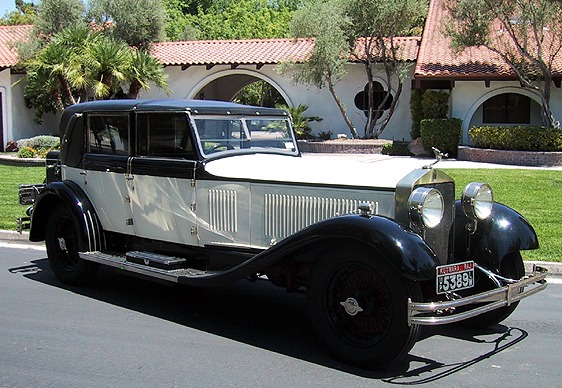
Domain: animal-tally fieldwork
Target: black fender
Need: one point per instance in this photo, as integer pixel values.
(505, 231)
(69, 194)
(400, 247)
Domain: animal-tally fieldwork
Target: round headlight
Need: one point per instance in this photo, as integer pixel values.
(477, 201)
(426, 207)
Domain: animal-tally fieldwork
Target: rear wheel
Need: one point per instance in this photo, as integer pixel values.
(358, 306)
(61, 238)
(512, 267)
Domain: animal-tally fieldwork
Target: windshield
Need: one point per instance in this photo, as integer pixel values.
(223, 134)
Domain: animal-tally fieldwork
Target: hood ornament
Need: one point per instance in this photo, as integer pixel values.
(438, 155)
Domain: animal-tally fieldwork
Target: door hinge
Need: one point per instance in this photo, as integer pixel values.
(129, 221)
(194, 231)
(193, 207)
(193, 182)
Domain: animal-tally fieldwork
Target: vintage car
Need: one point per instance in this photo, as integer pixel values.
(205, 193)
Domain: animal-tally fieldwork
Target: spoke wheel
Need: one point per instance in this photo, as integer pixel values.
(62, 249)
(358, 307)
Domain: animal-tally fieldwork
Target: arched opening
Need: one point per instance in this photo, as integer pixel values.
(504, 106)
(243, 86)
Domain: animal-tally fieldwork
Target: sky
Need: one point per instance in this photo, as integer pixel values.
(6, 6)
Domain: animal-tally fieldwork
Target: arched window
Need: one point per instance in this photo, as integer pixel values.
(379, 94)
(507, 108)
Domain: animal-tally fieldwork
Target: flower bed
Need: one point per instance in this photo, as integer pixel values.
(343, 146)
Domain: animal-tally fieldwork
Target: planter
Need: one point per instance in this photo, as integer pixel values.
(518, 158)
(341, 146)
(15, 161)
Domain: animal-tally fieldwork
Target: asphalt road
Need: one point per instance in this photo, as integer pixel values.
(124, 331)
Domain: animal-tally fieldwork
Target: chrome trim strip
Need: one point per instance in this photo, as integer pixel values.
(441, 313)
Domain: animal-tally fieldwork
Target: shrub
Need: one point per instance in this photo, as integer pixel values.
(41, 141)
(444, 134)
(396, 148)
(26, 152)
(428, 104)
(518, 138)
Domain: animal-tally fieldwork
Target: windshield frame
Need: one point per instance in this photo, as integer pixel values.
(289, 141)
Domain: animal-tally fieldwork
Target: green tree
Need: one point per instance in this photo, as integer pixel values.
(55, 15)
(259, 93)
(231, 19)
(23, 14)
(364, 31)
(325, 21)
(79, 63)
(137, 22)
(376, 25)
(526, 34)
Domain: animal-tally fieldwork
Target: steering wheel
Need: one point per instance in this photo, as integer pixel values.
(218, 146)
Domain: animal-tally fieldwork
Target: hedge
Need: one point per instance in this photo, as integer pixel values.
(518, 138)
(443, 134)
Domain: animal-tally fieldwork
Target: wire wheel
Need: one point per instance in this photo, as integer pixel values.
(358, 306)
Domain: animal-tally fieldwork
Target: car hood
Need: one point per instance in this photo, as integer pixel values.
(383, 172)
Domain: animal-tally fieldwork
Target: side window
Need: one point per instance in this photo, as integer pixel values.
(164, 134)
(108, 134)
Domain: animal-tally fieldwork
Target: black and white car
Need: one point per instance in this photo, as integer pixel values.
(205, 193)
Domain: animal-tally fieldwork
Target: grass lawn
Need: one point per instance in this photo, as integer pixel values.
(536, 194)
(11, 178)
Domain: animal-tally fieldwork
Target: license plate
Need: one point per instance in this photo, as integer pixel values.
(455, 277)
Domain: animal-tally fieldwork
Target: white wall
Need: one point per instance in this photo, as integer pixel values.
(186, 84)
(18, 120)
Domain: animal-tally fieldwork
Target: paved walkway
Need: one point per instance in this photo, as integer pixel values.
(445, 163)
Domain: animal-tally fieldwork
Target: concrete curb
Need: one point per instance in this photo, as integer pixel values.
(554, 268)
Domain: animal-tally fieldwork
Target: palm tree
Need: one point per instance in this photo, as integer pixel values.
(143, 70)
(79, 63)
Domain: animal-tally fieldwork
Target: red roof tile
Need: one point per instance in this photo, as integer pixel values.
(437, 60)
(229, 52)
(8, 36)
(254, 51)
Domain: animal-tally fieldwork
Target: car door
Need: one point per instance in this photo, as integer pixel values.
(161, 178)
(103, 176)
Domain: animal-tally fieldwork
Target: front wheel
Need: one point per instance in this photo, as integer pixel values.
(61, 238)
(358, 306)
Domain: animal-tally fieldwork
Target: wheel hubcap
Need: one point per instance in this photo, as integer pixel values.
(351, 306)
(62, 244)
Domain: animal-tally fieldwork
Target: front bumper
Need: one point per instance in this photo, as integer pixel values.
(441, 313)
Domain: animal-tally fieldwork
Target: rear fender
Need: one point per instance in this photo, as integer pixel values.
(506, 231)
(68, 194)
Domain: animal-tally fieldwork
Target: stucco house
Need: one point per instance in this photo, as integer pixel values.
(482, 88)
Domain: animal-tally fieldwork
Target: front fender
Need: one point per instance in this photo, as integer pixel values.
(401, 247)
(506, 231)
(67, 194)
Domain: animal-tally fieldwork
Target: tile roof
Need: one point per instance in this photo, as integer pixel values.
(8, 36)
(436, 59)
(231, 52)
(253, 51)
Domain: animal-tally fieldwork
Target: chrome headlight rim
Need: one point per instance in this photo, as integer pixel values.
(426, 207)
(478, 201)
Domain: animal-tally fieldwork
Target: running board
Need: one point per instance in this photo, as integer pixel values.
(149, 264)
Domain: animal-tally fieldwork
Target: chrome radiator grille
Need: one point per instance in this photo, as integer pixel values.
(287, 214)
